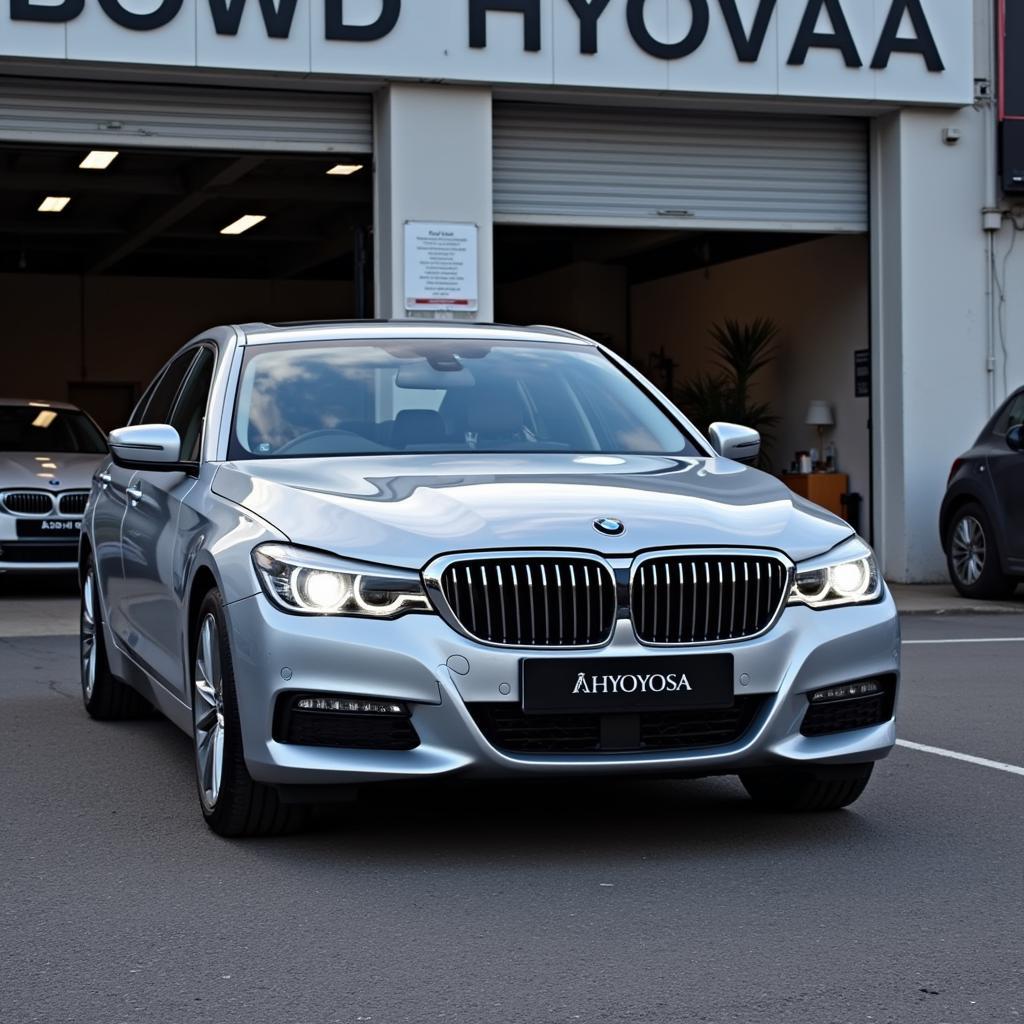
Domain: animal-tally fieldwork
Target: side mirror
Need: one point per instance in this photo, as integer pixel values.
(732, 441)
(153, 446)
(1015, 438)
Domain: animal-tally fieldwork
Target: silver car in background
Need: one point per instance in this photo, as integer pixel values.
(339, 554)
(48, 454)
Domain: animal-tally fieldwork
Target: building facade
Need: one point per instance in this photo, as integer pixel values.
(637, 169)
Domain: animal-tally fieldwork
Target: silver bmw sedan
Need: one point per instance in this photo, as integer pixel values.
(345, 553)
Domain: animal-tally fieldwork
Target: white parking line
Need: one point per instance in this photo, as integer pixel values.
(973, 640)
(970, 758)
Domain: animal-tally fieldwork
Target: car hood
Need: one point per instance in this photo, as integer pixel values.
(73, 470)
(405, 510)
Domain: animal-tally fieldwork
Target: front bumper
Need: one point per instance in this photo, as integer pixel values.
(407, 659)
(31, 556)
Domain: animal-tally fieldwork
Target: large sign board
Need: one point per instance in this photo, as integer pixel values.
(904, 51)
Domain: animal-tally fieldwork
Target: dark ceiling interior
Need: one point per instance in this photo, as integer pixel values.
(154, 212)
(160, 213)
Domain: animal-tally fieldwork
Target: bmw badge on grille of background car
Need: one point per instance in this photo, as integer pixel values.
(612, 527)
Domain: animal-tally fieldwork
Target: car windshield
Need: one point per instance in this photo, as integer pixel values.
(334, 398)
(37, 428)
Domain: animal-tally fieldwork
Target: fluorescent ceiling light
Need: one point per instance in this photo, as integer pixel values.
(250, 220)
(345, 168)
(99, 160)
(44, 419)
(54, 204)
(40, 405)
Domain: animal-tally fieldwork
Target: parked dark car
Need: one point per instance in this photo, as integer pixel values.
(982, 519)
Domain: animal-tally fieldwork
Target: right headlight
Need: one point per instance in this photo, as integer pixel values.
(316, 583)
(846, 575)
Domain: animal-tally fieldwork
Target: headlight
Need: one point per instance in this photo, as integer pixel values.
(848, 575)
(315, 583)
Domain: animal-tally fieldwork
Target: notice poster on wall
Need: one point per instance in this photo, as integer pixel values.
(441, 267)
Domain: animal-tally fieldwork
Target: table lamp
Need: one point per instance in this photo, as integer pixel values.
(819, 414)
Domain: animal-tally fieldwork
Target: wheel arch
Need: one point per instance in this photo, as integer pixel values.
(84, 551)
(950, 509)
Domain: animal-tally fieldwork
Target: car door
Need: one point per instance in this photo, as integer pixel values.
(150, 536)
(1007, 469)
(109, 509)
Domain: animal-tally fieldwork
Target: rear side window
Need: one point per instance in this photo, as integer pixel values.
(158, 408)
(190, 410)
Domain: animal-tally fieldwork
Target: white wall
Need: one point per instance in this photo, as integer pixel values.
(817, 293)
(938, 380)
(433, 163)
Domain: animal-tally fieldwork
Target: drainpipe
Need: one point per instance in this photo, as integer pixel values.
(991, 222)
(991, 215)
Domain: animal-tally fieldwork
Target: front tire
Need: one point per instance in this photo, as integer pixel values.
(804, 790)
(105, 696)
(232, 802)
(973, 556)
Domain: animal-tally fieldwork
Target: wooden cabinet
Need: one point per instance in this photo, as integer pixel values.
(825, 489)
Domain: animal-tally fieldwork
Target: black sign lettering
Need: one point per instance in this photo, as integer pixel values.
(336, 28)
(840, 38)
(227, 16)
(922, 43)
(165, 13)
(25, 10)
(748, 48)
(668, 51)
(529, 9)
(588, 11)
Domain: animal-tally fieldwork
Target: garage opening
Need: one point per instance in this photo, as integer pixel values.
(131, 219)
(657, 230)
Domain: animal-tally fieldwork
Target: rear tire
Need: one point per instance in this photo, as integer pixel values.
(972, 555)
(232, 802)
(804, 790)
(106, 697)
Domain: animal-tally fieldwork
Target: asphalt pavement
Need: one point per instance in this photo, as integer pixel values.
(626, 901)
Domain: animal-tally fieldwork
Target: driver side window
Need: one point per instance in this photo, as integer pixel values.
(1014, 415)
(190, 409)
(157, 409)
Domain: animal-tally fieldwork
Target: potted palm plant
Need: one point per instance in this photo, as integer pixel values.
(724, 393)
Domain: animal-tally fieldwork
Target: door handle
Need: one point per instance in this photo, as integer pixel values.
(135, 493)
(104, 479)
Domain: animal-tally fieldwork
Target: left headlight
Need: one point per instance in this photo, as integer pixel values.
(315, 583)
(847, 575)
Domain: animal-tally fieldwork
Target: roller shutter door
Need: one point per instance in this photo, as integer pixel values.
(170, 116)
(624, 167)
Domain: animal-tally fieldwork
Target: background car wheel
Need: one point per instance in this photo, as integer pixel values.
(973, 557)
(104, 695)
(796, 789)
(233, 803)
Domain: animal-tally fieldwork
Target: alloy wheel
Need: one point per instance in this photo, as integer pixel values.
(87, 635)
(208, 712)
(968, 550)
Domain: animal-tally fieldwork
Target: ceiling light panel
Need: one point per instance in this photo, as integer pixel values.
(54, 204)
(345, 169)
(237, 227)
(99, 160)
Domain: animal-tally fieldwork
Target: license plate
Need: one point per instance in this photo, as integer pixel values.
(50, 529)
(598, 685)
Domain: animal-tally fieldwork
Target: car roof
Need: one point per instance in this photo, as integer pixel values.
(368, 330)
(39, 403)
